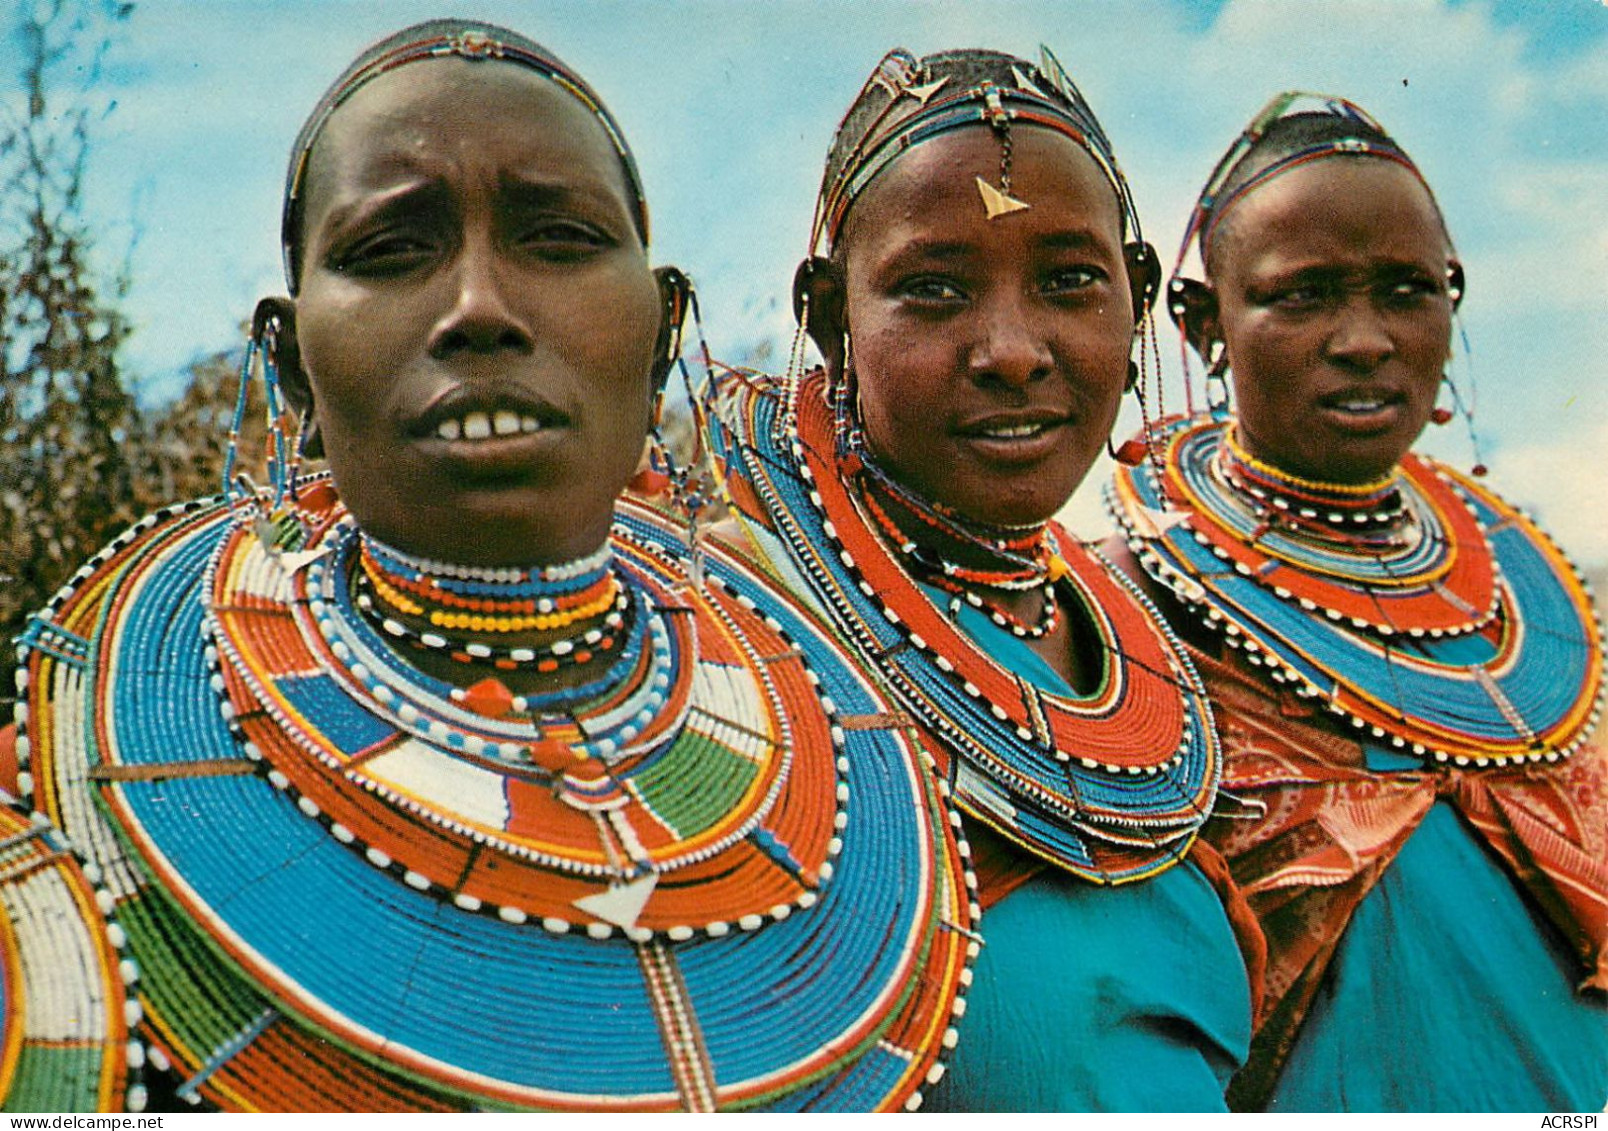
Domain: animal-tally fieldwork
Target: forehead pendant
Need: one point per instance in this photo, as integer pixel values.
(998, 202)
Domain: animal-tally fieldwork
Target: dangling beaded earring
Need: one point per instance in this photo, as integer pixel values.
(1217, 378)
(691, 492)
(278, 524)
(1464, 408)
(1132, 452)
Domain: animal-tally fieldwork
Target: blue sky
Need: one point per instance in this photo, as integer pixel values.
(730, 105)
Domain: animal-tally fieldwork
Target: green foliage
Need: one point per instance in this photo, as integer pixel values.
(66, 482)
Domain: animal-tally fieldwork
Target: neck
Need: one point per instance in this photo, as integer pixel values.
(538, 625)
(1362, 512)
(1007, 572)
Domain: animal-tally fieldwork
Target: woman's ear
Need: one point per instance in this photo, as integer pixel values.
(1144, 277)
(273, 324)
(1193, 307)
(818, 302)
(1456, 283)
(675, 294)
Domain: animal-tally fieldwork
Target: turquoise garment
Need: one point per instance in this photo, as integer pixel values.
(1087, 998)
(1452, 991)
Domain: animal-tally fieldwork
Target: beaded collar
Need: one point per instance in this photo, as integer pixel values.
(1111, 786)
(1465, 636)
(725, 880)
(64, 1010)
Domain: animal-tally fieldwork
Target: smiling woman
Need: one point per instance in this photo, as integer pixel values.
(984, 284)
(450, 780)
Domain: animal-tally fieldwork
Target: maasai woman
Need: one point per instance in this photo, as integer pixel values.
(1412, 669)
(976, 315)
(446, 782)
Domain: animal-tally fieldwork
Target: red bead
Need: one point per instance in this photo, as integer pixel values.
(489, 698)
(1441, 416)
(1132, 453)
(554, 757)
(1480, 471)
(648, 482)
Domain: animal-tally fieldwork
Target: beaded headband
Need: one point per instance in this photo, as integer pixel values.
(1367, 138)
(437, 39)
(1042, 96)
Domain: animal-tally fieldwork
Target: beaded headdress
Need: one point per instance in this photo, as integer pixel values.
(907, 101)
(1295, 128)
(435, 39)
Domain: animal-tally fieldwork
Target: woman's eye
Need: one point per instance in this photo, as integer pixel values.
(1406, 292)
(388, 253)
(1071, 279)
(928, 288)
(1306, 297)
(566, 239)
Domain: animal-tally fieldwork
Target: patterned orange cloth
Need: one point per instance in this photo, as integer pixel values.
(1331, 827)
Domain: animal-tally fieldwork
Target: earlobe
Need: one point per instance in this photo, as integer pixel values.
(675, 295)
(1192, 305)
(1144, 276)
(273, 327)
(818, 305)
(1455, 283)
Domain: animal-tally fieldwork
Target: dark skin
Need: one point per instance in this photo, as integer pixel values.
(1333, 287)
(990, 355)
(478, 334)
(1330, 286)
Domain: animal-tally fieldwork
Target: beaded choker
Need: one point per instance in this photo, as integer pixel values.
(1112, 785)
(1468, 638)
(720, 877)
(1026, 560)
(1366, 516)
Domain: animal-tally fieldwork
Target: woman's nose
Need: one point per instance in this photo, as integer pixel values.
(1360, 339)
(1010, 347)
(480, 317)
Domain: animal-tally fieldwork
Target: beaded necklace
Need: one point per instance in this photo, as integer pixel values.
(1112, 785)
(723, 879)
(65, 1009)
(1465, 637)
(1026, 561)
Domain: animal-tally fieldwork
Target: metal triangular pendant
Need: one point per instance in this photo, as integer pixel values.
(997, 203)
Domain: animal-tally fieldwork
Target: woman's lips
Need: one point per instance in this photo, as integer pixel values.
(1024, 438)
(489, 434)
(1363, 412)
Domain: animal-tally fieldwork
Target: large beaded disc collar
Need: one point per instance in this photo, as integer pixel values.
(1111, 786)
(65, 1012)
(725, 881)
(1446, 624)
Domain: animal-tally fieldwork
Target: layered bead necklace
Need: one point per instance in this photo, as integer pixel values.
(1422, 609)
(1003, 559)
(713, 873)
(1110, 785)
(598, 624)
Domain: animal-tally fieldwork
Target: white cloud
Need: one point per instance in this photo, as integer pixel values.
(1562, 481)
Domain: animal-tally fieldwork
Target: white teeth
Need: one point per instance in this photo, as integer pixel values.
(1360, 406)
(480, 426)
(1014, 431)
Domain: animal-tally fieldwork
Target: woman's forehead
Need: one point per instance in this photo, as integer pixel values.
(432, 119)
(1338, 198)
